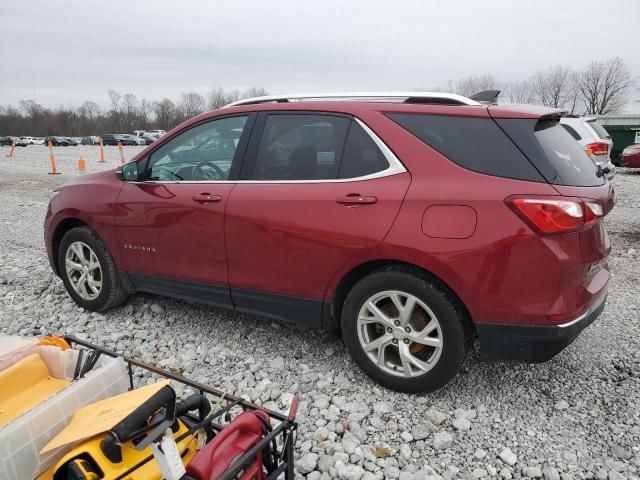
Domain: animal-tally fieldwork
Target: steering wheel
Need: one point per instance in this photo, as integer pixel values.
(200, 173)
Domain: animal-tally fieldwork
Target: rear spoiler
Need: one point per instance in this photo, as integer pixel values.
(486, 96)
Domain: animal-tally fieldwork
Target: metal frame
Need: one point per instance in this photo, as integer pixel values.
(407, 97)
(285, 429)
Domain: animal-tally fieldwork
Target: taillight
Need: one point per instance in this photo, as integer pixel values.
(597, 148)
(549, 216)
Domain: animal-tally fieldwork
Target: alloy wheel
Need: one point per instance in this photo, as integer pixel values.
(399, 333)
(83, 270)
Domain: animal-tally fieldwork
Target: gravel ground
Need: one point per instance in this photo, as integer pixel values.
(577, 416)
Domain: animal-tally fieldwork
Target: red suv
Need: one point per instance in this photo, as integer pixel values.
(414, 222)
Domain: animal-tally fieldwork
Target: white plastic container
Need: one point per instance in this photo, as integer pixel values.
(22, 439)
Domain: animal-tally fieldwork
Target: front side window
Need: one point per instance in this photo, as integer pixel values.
(204, 152)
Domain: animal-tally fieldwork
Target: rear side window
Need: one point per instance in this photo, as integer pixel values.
(599, 129)
(566, 155)
(361, 155)
(300, 147)
(477, 144)
(315, 147)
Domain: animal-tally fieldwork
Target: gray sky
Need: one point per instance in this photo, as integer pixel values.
(66, 52)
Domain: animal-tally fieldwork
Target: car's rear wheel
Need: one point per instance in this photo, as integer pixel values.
(404, 330)
(88, 271)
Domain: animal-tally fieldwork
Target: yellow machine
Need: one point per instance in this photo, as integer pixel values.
(81, 462)
(115, 436)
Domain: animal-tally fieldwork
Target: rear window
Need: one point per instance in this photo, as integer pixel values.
(566, 155)
(599, 129)
(477, 144)
(554, 152)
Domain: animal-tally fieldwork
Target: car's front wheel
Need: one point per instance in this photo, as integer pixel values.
(88, 271)
(404, 330)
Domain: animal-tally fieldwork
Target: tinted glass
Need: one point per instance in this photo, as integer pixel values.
(300, 147)
(204, 152)
(599, 129)
(474, 143)
(571, 130)
(361, 155)
(566, 155)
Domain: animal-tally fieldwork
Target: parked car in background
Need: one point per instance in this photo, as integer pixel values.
(90, 140)
(159, 133)
(72, 141)
(148, 138)
(630, 156)
(135, 139)
(57, 141)
(22, 142)
(414, 225)
(8, 140)
(38, 140)
(594, 138)
(28, 140)
(115, 138)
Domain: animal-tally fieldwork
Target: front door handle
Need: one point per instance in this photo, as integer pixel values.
(353, 199)
(206, 198)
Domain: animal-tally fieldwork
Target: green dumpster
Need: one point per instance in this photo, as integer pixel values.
(622, 136)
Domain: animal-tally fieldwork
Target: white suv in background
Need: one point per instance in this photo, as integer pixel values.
(594, 138)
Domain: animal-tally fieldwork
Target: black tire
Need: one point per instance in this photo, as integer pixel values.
(446, 308)
(112, 292)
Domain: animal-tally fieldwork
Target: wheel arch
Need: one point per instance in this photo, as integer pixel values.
(360, 271)
(63, 227)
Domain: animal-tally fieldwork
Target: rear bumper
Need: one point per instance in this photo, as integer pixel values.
(532, 343)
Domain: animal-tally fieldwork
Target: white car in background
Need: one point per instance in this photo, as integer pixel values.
(157, 133)
(31, 140)
(594, 138)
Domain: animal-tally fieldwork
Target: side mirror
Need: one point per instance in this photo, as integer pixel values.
(130, 172)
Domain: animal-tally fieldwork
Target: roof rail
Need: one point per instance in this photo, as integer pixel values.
(407, 97)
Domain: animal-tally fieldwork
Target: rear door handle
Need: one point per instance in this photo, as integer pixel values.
(356, 199)
(206, 198)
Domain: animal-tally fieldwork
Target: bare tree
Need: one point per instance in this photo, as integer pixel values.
(89, 110)
(33, 111)
(129, 111)
(115, 97)
(216, 98)
(473, 84)
(165, 112)
(191, 104)
(602, 86)
(554, 87)
(518, 91)
(146, 108)
(255, 92)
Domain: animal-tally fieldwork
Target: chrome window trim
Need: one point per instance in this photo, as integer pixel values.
(361, 96)
(395, 167)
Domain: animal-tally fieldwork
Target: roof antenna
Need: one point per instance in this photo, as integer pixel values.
(486, 96)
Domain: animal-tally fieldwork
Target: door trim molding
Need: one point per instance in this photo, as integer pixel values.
(307, 312)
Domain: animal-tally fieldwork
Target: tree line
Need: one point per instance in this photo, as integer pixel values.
(600, 88)
(125, 114)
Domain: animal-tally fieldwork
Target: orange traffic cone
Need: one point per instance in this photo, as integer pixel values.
(52, 159)
(122, 160)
